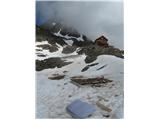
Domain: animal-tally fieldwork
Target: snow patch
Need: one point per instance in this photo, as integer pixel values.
(57, 53)
(42, 43)
(68, 37)
(69, 42)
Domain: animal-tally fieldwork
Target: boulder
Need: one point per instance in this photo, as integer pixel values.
(68, 49)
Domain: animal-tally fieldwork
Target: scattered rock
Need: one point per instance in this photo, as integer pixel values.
(103, 107)
(70, 96)
(85, 68)
(107, 116)
(102, 98)
(65, 71)
(56, 77)
(88, 66)
(110, 87)
(116, 95)
(102, 67)
(41, 55)
(38, 50)
(88, 97)
(65, 83)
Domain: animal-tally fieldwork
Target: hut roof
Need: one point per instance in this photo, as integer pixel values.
(102, 38)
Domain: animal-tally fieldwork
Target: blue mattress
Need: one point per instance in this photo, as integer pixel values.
(79, 109)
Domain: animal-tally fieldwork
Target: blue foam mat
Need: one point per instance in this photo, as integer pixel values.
(79, 109)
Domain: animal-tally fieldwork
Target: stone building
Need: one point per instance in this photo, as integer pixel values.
(102, 41)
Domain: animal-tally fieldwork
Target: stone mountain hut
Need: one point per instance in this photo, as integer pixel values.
(102, 41)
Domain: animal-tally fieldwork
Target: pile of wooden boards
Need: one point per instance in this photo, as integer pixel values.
(90, 81)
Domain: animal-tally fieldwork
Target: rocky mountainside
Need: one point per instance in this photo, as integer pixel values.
(57, 34)
(70, 66)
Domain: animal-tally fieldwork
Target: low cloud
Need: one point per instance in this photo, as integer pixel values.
(90, 18)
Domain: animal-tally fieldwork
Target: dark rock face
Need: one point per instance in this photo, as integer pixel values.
(50, 63)
(92, 51)
(42, 35)
(59, 40)
(85, 38)
(88, 47)
(69, 32)
(45, 34)
(64, 30)
(51, 48)
(86, 41)
(69, 49)
(82, 43)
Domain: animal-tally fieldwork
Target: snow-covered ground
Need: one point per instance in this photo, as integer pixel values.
(53, 96)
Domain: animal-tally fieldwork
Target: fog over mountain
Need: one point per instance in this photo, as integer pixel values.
(90, 18)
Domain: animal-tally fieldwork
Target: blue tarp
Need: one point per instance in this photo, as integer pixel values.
(79, 109)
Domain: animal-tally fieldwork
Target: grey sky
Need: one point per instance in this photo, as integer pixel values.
(90, 18)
